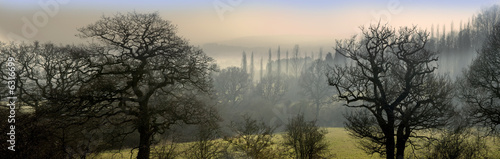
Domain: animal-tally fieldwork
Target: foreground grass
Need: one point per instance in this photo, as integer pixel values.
(341, 145)
(344, 146)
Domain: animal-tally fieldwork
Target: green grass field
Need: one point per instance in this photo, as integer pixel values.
(342, 146)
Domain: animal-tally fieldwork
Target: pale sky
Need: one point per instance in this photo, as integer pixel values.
(199, 21)
(223, 21)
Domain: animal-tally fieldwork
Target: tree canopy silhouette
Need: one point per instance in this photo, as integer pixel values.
(158, 76)
(392, 85)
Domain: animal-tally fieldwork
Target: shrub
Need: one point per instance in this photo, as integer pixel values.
(207, 146)
(460, 143)
(251, 137)
(305, 138)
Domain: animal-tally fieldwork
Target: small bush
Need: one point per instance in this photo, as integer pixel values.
(305, 138)
(207, 146)
(252, 138)
(458, 144)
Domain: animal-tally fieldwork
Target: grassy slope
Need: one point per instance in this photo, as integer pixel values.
(341, 144)
(344, 146)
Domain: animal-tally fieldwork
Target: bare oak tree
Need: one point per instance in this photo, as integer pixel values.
(393, 86)
(159, 75)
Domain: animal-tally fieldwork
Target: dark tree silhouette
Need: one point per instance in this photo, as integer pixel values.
(53, 81)
(160, 74)
(480, 85)
(393, 86)
(244, 62)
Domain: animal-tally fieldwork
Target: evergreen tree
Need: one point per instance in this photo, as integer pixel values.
(279, 61)
(329, 59)
(437, 35)
(432, 31)
(269, 64)
(295, 60)
(287, 62)
(261, 67)
(244, 62)
(251, 67)
(443, 38)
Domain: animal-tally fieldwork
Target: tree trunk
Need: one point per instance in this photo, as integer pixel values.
(389, 133)
(144, 131)
(390, 143)
(400, 146)
(401, 141)
(144, 144)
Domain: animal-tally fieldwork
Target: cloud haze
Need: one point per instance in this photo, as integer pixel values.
(243, 23)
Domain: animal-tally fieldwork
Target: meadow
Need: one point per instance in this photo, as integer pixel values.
(341, 145)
